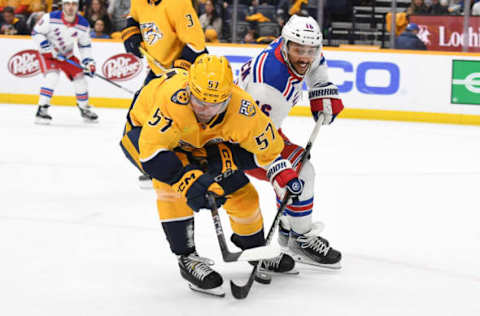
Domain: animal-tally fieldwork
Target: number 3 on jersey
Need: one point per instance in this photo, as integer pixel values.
(262, 139)
(157, 118)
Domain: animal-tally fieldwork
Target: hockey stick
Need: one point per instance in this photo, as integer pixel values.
(71, 62)
(153, 60)
(240, 292)
(252, 254)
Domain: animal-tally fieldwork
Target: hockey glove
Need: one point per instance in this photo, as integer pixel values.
(282, 176)
(131, 40)
(225, 157)
(89, 67)
(194, 185)
(324, 99)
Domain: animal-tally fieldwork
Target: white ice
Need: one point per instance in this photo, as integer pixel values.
(78, 236)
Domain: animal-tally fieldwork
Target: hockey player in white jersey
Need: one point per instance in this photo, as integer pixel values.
(275, 78)
(55, 35)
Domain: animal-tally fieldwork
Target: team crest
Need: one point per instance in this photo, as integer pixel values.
(181, 97)
(247, 108)
(150, 32)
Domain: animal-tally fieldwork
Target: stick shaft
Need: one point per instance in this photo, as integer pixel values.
(99, 76)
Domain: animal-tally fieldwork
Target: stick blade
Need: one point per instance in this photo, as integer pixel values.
(240, 292)
(260, 253)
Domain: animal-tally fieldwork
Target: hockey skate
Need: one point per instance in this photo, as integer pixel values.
(309, 248)
(281, 264)
(42, 117)
(201, 278)
(87, 114)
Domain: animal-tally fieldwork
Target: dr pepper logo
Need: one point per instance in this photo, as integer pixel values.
(24, 63)
(121, 67)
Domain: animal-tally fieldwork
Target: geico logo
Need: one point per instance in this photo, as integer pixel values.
(368, 69)
(185, 182)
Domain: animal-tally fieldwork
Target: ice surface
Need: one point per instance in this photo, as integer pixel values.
(78, 237)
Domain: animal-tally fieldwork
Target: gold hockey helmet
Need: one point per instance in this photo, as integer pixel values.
(211, 79)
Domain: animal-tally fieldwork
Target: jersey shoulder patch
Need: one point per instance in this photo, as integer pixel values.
(247, 108)
(180, 97)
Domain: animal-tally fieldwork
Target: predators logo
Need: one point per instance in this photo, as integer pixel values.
(181, 97)
(150, 32)
(247, 108)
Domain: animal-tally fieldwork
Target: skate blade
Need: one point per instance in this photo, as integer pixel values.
(300, 259)
(89, 121)
(42, 121)
(217, 292)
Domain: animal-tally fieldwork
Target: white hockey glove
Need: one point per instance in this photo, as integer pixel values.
(89, 67)
(324, 99)
(282, 176)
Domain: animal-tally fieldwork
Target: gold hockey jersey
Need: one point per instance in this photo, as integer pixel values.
(166, 28)
(163, 110)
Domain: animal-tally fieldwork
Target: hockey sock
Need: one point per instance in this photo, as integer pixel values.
(250, 241)
(81, 92)
(46, 90)
(299, 214)
(180, 236)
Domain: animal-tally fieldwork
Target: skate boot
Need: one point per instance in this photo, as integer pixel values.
(42, 116)
(87, 114)
(310, 248)
(281, 264)
(201, 278)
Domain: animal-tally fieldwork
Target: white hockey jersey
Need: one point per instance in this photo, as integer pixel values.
(275, 88)
(53, 34)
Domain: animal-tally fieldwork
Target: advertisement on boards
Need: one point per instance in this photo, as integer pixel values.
(446, 33)
(378, 80)
(466, 82)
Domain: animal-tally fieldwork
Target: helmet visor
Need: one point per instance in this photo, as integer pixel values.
(206, 110)
(298, 51)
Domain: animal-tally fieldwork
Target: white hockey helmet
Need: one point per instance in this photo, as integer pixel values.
(70, 1)
(302, 30)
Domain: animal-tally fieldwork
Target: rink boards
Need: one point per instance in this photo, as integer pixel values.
(374, 84)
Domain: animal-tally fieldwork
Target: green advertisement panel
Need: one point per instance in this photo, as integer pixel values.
(466, 82)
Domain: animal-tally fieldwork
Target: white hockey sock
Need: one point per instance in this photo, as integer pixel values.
(81, 91)
(46, 90)
(300, 224)
(299, 214)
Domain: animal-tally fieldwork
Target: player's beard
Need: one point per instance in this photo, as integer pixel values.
(301, 67)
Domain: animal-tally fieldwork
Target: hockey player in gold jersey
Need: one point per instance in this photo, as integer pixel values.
(169, 31)
(176, 128)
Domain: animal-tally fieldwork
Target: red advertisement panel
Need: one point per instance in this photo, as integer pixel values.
(446, 32)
